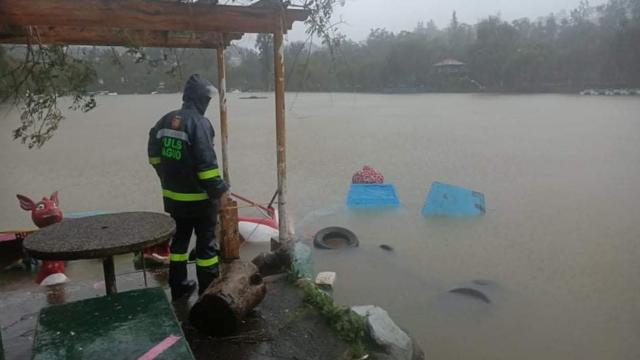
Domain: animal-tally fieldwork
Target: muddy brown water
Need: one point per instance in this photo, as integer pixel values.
(559, 242)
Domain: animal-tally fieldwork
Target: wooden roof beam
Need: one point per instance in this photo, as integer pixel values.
(113, 37)
(147, 15)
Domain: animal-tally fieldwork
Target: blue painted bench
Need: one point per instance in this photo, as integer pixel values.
(371, 196)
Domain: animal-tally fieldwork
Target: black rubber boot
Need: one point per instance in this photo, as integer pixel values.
(183, 291)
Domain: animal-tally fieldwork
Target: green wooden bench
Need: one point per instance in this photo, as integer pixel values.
(125, 325)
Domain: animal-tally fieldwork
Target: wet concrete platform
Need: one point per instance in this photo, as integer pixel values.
(21, 299)
(281, 327)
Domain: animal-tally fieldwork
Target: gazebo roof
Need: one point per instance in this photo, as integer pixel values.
(139, 22)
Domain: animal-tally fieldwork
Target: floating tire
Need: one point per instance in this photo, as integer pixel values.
(335, 237)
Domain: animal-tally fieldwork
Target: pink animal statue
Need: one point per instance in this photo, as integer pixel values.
(44, 213)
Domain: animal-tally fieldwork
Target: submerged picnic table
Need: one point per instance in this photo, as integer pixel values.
(101, 237)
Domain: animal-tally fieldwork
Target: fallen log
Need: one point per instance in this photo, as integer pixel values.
(228, 300)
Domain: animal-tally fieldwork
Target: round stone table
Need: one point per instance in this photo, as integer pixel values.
(100, 237)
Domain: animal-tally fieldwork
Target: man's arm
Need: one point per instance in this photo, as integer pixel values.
(154, 149)
(206, 161)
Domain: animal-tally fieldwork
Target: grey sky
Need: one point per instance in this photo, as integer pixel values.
(395, 15)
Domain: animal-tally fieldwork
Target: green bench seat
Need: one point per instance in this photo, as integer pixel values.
(125, 325)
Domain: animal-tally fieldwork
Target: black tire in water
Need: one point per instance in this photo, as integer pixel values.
(335, 237)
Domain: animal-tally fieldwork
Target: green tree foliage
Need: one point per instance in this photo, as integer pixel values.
(264, 45)
(35, 84)
(590, 47)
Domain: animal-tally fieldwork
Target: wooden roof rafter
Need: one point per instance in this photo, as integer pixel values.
(144, 23)
(148, 15)
(69, 35)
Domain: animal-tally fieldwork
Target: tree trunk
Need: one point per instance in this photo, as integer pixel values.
(225, 303)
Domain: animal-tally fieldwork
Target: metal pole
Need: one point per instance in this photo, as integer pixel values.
(224, 130)
(283, 225)
(109, 275)
(144, 269)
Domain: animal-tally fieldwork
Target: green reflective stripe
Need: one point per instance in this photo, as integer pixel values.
(209, 174)
(207, 262)
(154, 160)
(184, 197)
(179, 257)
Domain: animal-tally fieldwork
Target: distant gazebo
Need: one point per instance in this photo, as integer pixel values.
(451, 66)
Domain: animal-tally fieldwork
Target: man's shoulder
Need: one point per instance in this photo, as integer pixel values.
(176, 118)
(171, 114)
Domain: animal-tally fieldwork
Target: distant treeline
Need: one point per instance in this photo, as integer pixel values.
(590, 46)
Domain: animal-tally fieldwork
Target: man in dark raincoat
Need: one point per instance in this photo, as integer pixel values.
(182, 153)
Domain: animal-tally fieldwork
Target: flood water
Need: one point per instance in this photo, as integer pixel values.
(560, 174)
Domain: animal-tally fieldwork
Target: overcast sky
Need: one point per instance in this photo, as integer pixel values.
(396, 15)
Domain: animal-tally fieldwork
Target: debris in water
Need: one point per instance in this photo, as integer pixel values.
(372, 196)
(253, 97)
(335, 237)
(472, 293)
(482, 282)
(368, 175)
(386, 247)
(326, 278)
(450, 200)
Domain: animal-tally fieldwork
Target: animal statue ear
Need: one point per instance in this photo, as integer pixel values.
(26, 203)
(54, 198)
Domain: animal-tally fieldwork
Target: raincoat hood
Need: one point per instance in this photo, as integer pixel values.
(198, 91)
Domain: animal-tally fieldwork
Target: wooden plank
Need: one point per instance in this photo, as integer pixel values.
(113, 37)
(229, 233)
(146, 15)
(224, 127)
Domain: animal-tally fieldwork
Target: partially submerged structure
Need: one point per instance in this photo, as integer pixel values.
(451, 66)
(453, 75)
(167, 24)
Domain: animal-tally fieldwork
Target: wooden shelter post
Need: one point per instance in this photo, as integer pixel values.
(224, 130)
(281, 140)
